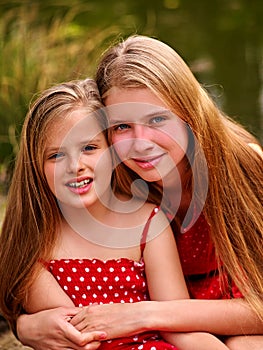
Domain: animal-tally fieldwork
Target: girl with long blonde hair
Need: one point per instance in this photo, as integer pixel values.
(230, 227)
(233, 207)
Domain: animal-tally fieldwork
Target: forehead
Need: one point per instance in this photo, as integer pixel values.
(138, 95)
(134, 105)
(133, 112)
(72, 126)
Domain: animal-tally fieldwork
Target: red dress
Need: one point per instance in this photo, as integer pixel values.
(89, 281)
(199, 264)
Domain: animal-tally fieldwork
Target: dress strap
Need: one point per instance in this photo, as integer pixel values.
(44, 263)
(146, 229)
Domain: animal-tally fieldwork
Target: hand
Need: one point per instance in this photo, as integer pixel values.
(51, 329)
(117, 320)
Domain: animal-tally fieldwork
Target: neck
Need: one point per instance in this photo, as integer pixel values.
(176, 190)
(96, 209)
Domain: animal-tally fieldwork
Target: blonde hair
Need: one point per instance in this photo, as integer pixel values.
(29, 229)
(233, 206)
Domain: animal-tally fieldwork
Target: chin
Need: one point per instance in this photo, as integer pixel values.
(150, 177)
(74, 204)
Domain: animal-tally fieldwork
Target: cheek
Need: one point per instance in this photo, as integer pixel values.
(176, 141)
(103, 173)
(122, 147)
(49, 171)
(103, 164)
(54, 175)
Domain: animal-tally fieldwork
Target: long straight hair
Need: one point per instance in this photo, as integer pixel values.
(29, 230)
(233, 206)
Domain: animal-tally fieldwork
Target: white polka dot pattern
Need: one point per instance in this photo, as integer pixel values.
(114, 281)
(199, 263)
(106, 281)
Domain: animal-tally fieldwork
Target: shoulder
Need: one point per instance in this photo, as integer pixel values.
(136, 207)
(149, 210)
(155, 220)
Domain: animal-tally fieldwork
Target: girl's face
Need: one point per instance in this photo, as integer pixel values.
(77, 160)
(147, 136)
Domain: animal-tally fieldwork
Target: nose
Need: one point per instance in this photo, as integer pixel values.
(142, 138)
(75, 164)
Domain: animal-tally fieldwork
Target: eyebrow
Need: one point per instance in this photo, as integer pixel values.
(53, 148)
(81, 143)
(144, 116)
(97, 140)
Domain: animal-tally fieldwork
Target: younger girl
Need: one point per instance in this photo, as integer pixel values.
(67, 240)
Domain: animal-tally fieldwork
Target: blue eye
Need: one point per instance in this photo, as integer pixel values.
(121, 127)
(88, 148)
(157, 119)
(56, 155)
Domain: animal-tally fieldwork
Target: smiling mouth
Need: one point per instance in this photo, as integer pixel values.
(147, 160)
(148, 163)
(79, 184)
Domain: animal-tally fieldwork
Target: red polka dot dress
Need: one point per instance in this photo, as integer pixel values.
(89, 281)
(199, 263)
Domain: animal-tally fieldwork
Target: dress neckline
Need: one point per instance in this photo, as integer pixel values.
(94, 260)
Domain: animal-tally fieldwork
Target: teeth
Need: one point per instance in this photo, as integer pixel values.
(79, 184)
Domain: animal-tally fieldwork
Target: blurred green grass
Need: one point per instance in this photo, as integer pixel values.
(2, 208)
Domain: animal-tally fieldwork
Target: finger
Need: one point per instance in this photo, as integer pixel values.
(94, 336)
(92, 346)
(81, 339)
(79, 316)
(83, 326)
(72, 334)
(71, 311)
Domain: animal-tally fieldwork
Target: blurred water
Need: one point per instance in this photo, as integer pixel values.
(221, 40)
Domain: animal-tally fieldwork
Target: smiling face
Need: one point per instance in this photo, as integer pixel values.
(147, 137)
(77, 163)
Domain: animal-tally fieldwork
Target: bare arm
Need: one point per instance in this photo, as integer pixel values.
(51, 330)
(196, 341)
(165, 281)
(221, 317)
(45, 293)
(48, 326)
